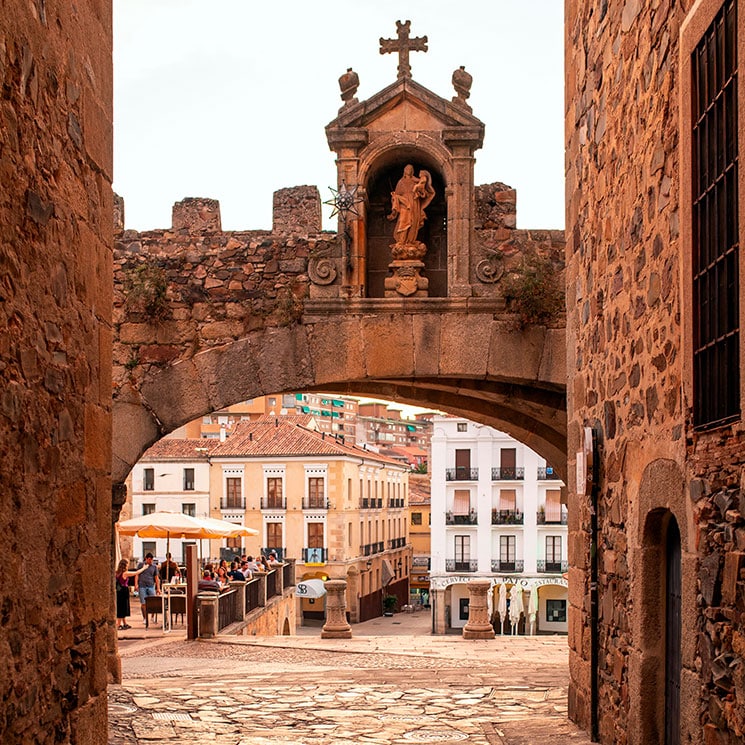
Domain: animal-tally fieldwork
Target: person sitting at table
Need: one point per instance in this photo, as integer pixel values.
(235, 573)
(207, 584)
(222, 576)
(245, 570)
(272, 560)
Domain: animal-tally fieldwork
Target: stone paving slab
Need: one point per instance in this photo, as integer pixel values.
(397, 687)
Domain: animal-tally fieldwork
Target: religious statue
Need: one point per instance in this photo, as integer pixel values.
(409, 201)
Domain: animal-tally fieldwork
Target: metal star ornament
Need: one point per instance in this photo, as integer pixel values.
(344, 201)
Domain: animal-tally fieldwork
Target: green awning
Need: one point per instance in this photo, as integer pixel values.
(305, 409)
(336, 414)
(325, 413)
(315, 412)
(336, 402)
(298, 396)
(411, 427)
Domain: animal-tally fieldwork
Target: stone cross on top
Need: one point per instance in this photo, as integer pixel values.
(403, 45)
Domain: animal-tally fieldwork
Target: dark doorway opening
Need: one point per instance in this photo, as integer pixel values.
(672, 634)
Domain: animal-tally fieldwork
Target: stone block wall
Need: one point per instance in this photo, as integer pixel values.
(626, 353)
(55, 370)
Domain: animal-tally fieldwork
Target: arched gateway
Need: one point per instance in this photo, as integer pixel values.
(408, 301)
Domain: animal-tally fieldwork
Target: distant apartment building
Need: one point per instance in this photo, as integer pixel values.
(338, 509)
(381, 426)
(172, 476)
(497, 514)
(420, 536)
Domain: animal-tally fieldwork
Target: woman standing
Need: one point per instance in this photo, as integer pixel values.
(121, 578)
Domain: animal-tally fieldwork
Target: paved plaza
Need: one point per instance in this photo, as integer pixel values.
(392, 683)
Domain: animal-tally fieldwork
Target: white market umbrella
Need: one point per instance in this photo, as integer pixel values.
(228, 529)
(310, 588)
(533, 609)
(516, 606)
(502, 606)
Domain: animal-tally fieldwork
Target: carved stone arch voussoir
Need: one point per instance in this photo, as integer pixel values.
(412, 142)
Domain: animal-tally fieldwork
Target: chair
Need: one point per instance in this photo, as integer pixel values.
(178, 606)
(153, 606)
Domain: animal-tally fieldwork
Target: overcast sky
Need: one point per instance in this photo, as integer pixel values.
(228, 99)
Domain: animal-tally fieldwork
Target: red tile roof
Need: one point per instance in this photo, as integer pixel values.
(280, 437)
(172, 448)
(419, 488)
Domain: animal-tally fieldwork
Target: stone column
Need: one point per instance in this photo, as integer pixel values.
(336, 626)
(437, 601)
(478, 626)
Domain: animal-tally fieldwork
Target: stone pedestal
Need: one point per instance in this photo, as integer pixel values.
(478, 626)
(437, 601)
(336, 626)
(207, 603)
(406, 280)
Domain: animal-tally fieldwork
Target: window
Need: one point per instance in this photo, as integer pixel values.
(315, 492)
(189, 508)
(553, 553)
(315, 535)
(715, 226)
(462, 427)
(148, 547)
(508, 500)
(507, 552)
(553, 506)
(556, 611)
(462, 553)
(233, 491)
(274, 535)
(148, 479)
(274, 492)
(416, 518)
(148, 509)
(461, 502)
(463, 608)
(188, 479)
(508, 463)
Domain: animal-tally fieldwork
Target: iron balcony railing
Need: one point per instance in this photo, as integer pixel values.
(507, 566)
(470, 519)
(232, 504)
(397, 543)
(507, 517)
(315, 555)
(371, 503)
(316, 504)
(547, 474)
(552, 567)
(273, 503)
(509, 473)
(551, 517)
(371, 548)
(280, 552)
(461, 473)
(467, 565)
(397, 502)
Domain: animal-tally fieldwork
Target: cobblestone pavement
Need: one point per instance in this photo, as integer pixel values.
(391, 683)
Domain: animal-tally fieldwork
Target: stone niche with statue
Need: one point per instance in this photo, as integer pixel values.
(411, 222)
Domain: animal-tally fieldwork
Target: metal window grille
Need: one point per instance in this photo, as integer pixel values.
(716, 346)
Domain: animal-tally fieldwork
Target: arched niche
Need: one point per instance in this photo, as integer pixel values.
(381, 181)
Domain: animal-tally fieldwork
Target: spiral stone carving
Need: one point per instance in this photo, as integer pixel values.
(491, 269)
(322, 271)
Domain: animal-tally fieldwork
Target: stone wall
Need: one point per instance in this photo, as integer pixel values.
(626, 367)
(55, 370)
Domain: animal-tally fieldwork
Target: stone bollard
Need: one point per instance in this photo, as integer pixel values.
(240, 588)
(336, 626)
(478, 626)
(208, 618)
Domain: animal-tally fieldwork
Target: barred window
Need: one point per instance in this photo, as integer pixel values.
(716, 345)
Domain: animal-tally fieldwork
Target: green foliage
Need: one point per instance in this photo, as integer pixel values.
(147, 292)
(533, 291)
(389, 603)
(420, 467)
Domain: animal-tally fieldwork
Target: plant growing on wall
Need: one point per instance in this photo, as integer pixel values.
(533, 292)
(147, 292)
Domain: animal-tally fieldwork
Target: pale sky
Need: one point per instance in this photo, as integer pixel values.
(228, 99)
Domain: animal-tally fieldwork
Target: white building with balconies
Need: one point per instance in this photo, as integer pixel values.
(497, 514)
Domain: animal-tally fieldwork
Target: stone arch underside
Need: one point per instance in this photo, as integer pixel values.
(474, 364)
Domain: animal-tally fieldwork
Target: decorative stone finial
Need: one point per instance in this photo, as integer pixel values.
(462, 83)
(349, 82)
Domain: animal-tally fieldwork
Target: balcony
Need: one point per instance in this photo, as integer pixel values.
(552, 567)
(552, 517)
(316, 504)
(315, 555)
(470, 519)
(467, 565)
(506, 517)
(398, 502)
(372, 548)
(547, 474)
(510, 473)
(370, 503)
(461, 473)
(232, 504)
(272, 503)
(507, 566)
(397, 543)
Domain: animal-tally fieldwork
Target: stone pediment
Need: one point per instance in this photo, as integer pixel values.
(404, 106)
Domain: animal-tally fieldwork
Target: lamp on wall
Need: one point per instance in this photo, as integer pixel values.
(369, 564)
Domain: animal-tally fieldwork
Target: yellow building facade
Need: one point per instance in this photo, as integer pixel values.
(337, 509)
